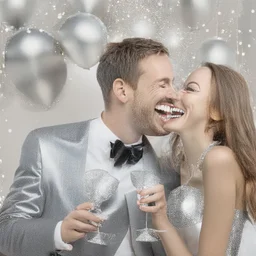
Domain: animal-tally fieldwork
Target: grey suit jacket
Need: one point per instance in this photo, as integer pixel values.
(48, 185)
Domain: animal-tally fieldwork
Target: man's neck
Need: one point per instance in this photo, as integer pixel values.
(119, 125)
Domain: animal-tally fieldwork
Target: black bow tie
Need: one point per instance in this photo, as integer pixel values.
(129, 154)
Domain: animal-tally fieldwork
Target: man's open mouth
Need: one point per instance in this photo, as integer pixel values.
(167, 112)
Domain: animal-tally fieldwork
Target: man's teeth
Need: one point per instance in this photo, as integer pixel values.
(170, 110)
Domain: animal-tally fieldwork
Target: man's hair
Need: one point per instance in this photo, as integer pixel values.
(121, 60)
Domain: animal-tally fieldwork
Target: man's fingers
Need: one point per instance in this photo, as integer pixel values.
(85, 216)
(77, 235)
(82, 227)
(79, 222)
(85, 206)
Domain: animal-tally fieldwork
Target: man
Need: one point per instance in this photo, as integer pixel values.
(47, 209)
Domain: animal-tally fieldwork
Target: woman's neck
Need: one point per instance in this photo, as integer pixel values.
(194, 145)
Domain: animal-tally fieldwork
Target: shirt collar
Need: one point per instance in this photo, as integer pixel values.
(104, 135)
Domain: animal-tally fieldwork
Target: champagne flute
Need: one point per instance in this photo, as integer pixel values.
(141, 180)
(99, 187)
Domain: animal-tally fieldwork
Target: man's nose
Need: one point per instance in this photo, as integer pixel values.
(173, 94)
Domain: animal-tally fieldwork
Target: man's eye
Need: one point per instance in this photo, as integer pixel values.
(162, 85)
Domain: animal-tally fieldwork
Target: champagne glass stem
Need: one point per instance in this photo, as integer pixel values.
(146, 220)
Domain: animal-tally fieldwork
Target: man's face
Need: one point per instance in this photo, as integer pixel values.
(154, 95)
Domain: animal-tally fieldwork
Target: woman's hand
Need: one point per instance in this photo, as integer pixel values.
(171, 240)
(155, 195)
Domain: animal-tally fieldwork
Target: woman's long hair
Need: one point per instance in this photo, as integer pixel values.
(230, 98)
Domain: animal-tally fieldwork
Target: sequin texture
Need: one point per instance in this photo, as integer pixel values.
(185, 211)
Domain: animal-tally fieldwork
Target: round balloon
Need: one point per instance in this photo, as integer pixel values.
(36, 66)
(95, 7)
(217, 51)
(1, 12)
(17, 12)
(143, 28)
(195, 13)
(83, 37)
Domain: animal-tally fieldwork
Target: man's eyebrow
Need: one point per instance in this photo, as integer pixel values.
(164, 79)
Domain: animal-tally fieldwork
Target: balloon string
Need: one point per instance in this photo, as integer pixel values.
(237, 35)
(217, 18)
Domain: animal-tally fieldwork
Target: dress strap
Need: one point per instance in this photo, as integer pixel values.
(193, 169)
(203, 155)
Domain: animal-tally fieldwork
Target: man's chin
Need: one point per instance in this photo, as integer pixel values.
(163, 133)
(159, 131)
(160, 128)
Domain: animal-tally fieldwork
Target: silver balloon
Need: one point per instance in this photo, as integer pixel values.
(95, 7)
(173, 38)
(36, 66)
(84, 38)
(17, 12)
(143, 28)
(217, 51)
(1, 11)
(195, 13)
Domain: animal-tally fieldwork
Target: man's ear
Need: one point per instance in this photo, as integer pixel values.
(121, 90)
(215, 115)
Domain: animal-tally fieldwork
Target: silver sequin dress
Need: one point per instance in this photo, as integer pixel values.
(185, 210)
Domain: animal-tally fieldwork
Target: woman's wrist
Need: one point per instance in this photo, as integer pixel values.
(160, 221)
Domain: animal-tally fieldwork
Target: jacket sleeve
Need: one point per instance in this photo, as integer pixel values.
(23, 230)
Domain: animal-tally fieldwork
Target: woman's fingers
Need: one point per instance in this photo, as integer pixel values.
(155, 195)
(153, 209)
(152, 198)
(151, 190)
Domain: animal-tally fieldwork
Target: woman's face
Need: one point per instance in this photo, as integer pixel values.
(193, 100)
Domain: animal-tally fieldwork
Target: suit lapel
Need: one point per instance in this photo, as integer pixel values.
(137, 221)
(116, 224)
(136, 216)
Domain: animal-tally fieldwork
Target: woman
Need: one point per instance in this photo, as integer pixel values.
(214, 145)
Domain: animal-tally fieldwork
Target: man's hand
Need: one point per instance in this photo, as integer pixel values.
(78, 223)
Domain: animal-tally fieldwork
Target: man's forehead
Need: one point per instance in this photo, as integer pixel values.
(155, 63)
(155, 57)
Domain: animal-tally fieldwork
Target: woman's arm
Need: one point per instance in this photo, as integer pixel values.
(219, 179)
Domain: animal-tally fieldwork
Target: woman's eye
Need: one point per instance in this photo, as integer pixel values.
(188, 88)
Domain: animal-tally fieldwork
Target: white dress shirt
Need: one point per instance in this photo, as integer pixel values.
(98, 157)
